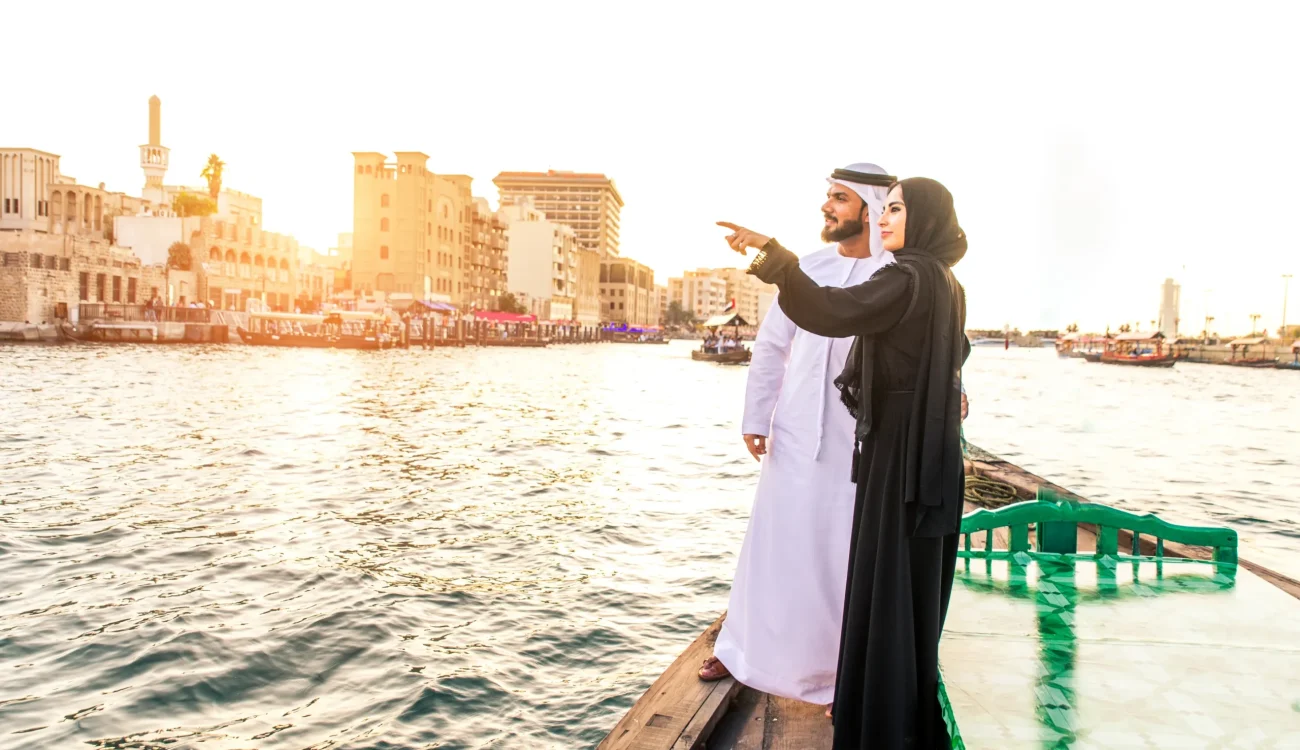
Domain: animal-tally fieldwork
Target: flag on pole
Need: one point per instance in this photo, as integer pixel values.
(731, 305)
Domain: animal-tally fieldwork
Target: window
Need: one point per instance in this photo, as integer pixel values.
(100, 280)
(36, 261)
(52, 262)
(65, 264)
(428, 256)
(383, 225)
(117, 288)
(383, 252)
(6, 205)
(83, 286)
(130, 290)
(383, 201)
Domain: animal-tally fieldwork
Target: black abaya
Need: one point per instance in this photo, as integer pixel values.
(899, 583)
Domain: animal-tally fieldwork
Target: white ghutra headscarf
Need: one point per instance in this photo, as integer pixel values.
(873, 195)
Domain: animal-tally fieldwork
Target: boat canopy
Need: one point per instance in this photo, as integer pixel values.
(357, 315)
(725, 319)
(1248, 342)
(435, 306)
(299, 317)
(1139, 336)
(504, 317)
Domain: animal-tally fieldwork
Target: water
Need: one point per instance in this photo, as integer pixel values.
(232, 547)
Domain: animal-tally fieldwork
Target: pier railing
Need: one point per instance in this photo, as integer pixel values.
(125, 313)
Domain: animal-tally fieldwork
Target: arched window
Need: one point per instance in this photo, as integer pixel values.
(383, 201)
(99, 213)
(284, 269)
(383, 225)
(383, 252)
(245, 266)
(260, 262)
(89, 210)
(71, 202)
(360, 169)
(229, 263)
(56, 198)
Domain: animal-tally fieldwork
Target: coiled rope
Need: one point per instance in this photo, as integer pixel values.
(989, 493)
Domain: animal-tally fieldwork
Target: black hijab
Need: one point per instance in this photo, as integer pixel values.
(934, 478)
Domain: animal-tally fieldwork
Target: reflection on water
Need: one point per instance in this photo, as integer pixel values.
(231, 547)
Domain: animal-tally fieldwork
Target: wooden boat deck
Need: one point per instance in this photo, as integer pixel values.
(680, 712)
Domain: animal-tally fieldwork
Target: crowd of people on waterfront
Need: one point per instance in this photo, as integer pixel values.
(715, 343)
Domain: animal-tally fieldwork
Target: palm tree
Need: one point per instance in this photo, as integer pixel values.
(212, 173)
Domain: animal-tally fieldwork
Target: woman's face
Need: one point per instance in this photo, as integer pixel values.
(893, 221)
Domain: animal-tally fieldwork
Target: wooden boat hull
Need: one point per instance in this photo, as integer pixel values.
(1167, 361)
(680, 712)
(145, 333)
(1090, 356)
(1287, 365)
(734, 357)
(1254, 363)
(312, 342)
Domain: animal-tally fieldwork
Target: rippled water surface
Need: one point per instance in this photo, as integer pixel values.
(233, 547)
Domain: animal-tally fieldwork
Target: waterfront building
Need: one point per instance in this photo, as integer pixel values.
(586, 300)
(411, 228)
(627, 292)
(661, 297)
(543, 260)
(487, 263)
(588, 202)
(43, 276)
(705, 292)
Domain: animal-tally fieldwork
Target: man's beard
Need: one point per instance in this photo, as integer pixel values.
(844, 230)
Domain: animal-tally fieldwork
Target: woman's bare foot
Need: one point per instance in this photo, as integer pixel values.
(829, 712)
(713, 670)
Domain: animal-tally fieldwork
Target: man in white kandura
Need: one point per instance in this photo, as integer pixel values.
(782, 631)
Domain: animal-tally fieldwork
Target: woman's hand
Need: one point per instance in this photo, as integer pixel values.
(741, 238)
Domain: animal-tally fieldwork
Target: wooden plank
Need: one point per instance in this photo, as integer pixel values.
(660, 716)
(795, 725)
(708, 715)
(743, 726)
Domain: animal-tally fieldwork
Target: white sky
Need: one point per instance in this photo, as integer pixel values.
(1092, 152)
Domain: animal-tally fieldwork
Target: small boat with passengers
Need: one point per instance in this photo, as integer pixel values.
(1252, 352)
(1138, 349)
(339, 329)
(718, 347)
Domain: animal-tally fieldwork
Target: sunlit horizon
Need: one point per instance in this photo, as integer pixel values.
(1091, 155)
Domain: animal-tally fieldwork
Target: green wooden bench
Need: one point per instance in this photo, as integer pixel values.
(1056, 520)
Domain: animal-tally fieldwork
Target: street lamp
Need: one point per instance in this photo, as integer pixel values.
(1254, 318)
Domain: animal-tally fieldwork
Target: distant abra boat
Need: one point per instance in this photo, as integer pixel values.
(1251, 352)
(729, 355)
(1138, 350)
(341, 329)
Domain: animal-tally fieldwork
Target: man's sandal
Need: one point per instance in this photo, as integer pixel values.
(713, 670)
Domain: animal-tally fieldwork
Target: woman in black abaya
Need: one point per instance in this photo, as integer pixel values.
(902, 382)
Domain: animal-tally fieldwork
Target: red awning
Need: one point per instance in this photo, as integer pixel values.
(504, 317)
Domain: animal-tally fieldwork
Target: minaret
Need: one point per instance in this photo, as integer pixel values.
(153, 157)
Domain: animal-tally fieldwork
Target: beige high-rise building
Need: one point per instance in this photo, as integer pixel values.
(410, 227)
(627, 291)
(588, 202)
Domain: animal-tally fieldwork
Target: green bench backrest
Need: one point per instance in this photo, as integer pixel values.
(1056, 519)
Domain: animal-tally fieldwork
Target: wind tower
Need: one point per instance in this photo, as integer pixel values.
(153, 157)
